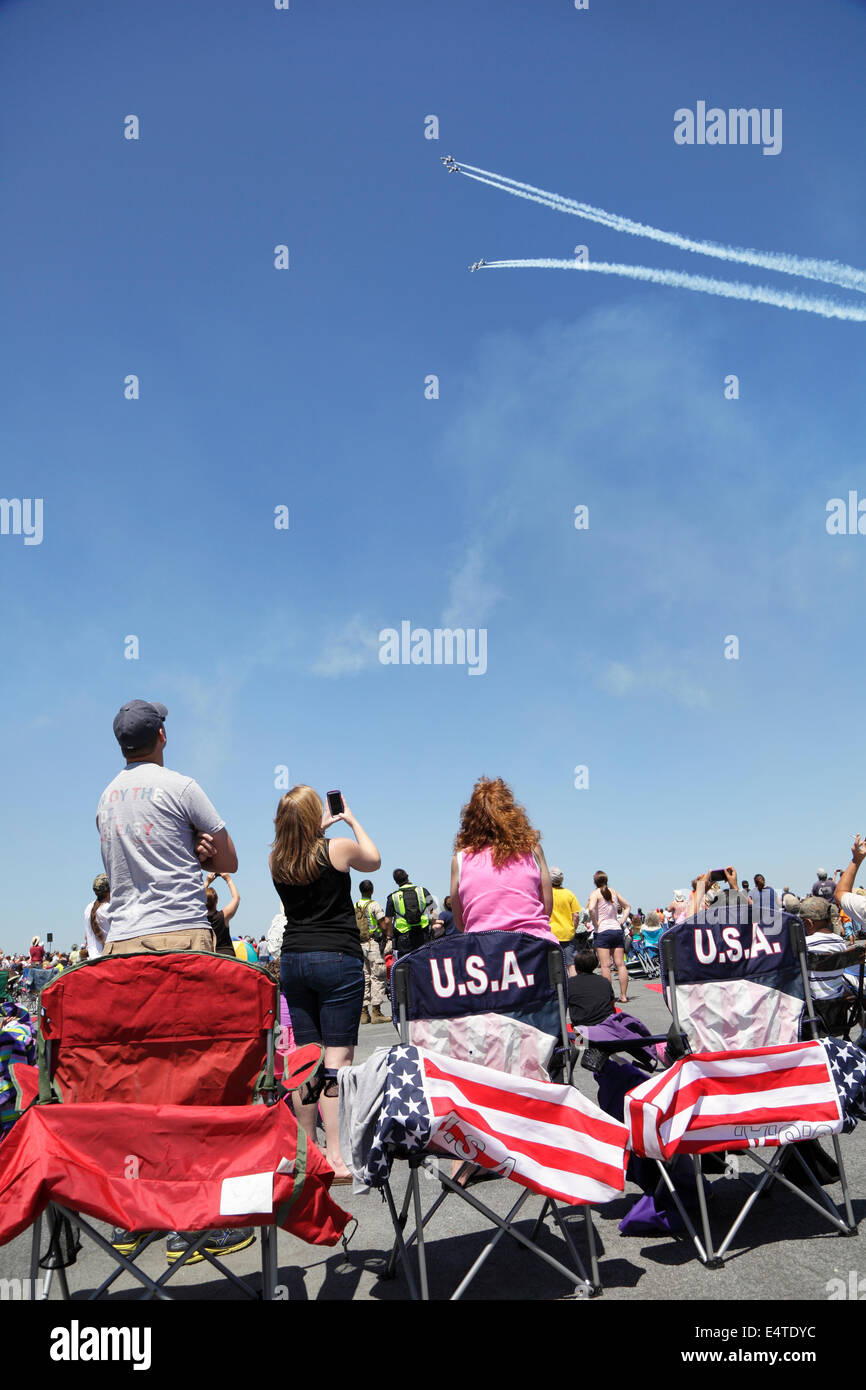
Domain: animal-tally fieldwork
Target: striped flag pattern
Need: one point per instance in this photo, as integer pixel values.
(547, 1137)
(760, 1097)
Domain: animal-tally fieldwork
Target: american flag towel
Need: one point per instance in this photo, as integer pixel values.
(760, 1097)
(848, 1065)
(548, 1138)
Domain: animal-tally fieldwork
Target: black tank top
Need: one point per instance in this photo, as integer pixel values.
(320, 915)
(222, 937)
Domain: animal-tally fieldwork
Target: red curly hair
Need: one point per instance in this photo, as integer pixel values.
(493, 820)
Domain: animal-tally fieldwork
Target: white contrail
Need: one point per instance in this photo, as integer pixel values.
(830, 272)
(547, 200)
(728, 289)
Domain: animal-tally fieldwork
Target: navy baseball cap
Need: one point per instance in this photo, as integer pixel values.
(137, 724)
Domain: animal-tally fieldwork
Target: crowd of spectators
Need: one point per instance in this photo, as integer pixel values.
(165, 848)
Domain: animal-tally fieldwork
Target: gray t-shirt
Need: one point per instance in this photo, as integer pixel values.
(148, 818)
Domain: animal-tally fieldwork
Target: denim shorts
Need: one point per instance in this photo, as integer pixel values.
(324, 991)
(568, 950)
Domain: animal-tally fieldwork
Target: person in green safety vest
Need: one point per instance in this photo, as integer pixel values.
(411, 910)
(375, 930)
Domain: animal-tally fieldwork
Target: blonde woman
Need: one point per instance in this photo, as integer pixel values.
(322, 963)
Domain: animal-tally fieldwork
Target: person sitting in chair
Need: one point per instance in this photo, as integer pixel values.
(499, 876)
(590, 996)
(831, 994)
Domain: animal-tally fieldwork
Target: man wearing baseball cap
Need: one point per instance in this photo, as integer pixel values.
(829, 988)
(158, 830)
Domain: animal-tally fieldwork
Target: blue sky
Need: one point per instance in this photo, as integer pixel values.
(305, 388)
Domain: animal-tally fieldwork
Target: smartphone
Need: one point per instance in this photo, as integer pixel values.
(717, 876)
(336, 804)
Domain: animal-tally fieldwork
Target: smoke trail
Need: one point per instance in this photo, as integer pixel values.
(547, 200)
(829, 272)
(728, 289)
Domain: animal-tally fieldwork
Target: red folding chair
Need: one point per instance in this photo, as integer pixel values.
(149, 1069)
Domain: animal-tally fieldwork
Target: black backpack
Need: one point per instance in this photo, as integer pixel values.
(414, 904)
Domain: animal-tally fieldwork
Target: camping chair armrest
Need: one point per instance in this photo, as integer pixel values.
(821, 961)
(636, 1045)
(628, 1044)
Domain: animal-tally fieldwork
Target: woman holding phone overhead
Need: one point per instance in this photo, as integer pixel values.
(321, 964)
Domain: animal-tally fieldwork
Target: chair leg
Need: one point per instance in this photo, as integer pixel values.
(593, 1249)
(572, 1248)
(399, 1226)
(827, 1209)
(399, 1244)
(712, 1261)
(843, 1178)
(107, 1283)
(766, 1178)
(99, 1240)
(490, 1246)
(431, 1211)
(270, 1265)
(419, 1232)
(502, 1222)
(55, 1219)
(36, 1241)
(62, 1281)
(195, 1249)
(686, 1219)
(541, 1216)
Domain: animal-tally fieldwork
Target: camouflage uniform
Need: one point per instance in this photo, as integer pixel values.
(374, 955)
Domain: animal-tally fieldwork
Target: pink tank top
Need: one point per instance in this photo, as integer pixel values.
(505, 899)
(606, 914)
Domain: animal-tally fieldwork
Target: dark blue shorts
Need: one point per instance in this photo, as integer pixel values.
(325, 994)
(609, 940)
